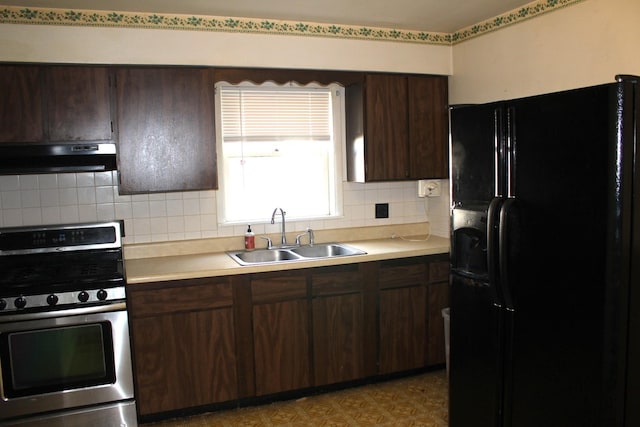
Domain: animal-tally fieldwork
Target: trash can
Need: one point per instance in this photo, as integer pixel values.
(447, 321)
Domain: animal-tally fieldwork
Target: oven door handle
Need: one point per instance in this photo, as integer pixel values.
(75, 311)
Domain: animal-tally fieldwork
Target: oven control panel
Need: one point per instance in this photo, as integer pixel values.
(24, 240)
(52, 301)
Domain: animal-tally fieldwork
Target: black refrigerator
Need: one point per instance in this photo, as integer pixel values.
(545, 260)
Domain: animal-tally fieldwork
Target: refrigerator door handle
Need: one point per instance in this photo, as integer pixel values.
(500, 143)
(493, 215)
(511, 153)
(506, 210)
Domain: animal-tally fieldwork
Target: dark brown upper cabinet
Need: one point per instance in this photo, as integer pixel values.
(166, 129)
(78, 103)
(397, 128)
(21, 104)
(54, 104)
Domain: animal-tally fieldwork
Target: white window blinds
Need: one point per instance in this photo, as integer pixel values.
(278, 146)
(271, 114)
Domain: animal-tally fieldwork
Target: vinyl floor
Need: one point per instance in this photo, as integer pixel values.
(416, 401)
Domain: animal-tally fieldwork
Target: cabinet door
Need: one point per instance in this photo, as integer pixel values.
(21, 104)
(340, 336)
(281, 339)
(397, 128)
(428, 127)
(78, 103)
(403, 315)
(166, 129)
(403, 329)
(184, 360)
(183, 341)
(386, 127)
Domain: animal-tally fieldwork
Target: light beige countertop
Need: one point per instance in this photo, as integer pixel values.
(153, 263)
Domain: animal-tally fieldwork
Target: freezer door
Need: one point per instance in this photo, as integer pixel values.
(477, 151)
(475, 379)
(476, 382)
(478, 186)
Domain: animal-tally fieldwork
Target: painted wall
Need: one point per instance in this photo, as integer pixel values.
(584, 44)
(40, 43)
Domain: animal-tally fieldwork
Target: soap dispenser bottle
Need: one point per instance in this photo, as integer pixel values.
(249, 239)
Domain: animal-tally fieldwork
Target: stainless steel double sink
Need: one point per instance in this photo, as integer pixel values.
(295, 253)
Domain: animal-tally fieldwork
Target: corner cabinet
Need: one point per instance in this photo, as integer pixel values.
(413, 292)
(166, 132)
(397, 128)
(51, 103)
(184, 344)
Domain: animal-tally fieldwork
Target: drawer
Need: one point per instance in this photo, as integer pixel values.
(171, 297)
(438, 271)
(337, 280)
(400, 273)
(268, 287)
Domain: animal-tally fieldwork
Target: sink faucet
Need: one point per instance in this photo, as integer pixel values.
(283, 239)
(311, 237)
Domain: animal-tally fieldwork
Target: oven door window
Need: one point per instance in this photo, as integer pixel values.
(54, 359)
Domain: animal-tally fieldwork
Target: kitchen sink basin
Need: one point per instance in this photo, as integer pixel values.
(297, 253)
(326, 251)
(261, 256)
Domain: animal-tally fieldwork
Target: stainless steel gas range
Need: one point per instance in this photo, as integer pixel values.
(65, 357)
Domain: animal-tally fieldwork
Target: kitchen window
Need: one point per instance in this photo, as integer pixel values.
(279, 146)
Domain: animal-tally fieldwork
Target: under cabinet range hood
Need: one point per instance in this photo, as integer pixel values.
(16, 159)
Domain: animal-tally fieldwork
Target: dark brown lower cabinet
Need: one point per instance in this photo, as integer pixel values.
(183, 342)
(343, 342)
(207, 341)
(413, 292)
(281, 340)
(403, 329)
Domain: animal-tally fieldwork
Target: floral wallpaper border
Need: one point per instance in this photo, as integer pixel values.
(77, 17)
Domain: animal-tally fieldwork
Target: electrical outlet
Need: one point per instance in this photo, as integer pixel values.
(382, 210)
(429, 188)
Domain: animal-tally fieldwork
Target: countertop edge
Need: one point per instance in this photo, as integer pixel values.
(216, 264)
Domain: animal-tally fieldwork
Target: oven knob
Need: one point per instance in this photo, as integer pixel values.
(83, 296)
(20, 302)
(52, 299)
(3, 304)
(102, 295)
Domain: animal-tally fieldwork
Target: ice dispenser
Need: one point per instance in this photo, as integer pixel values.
(469, 242)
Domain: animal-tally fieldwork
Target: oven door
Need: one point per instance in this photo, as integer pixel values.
(64, 360)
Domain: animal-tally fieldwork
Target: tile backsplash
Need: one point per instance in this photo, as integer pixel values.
(88, 197)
